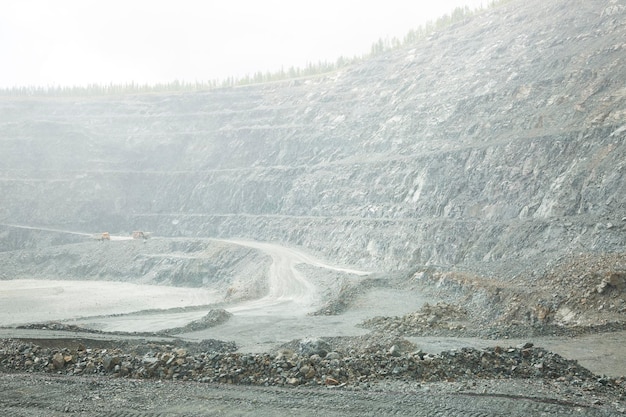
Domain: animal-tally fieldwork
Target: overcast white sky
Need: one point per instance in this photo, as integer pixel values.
(78, 42)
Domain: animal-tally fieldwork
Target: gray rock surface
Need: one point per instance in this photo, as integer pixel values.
(496, 144)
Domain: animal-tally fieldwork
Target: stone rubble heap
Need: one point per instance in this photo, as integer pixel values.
(213, 318)
(441, 316)
(52, 325)
(310, 367)
(593, 286)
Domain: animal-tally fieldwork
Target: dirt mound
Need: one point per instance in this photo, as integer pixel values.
(426, 320)
(213, 318)
(289, 368)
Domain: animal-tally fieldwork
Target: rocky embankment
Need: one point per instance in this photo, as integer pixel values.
(311, 364)
(235, 272)
(447, 320)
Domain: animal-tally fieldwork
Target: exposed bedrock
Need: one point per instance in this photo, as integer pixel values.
(496, 144)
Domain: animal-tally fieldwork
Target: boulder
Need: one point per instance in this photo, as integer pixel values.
(310, 347)
(58, 361)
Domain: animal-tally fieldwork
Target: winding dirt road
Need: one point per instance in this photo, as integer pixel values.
(286, 284)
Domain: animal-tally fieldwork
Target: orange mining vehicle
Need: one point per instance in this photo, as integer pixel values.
(105, 236)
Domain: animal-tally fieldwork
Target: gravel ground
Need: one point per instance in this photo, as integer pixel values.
(50, 396)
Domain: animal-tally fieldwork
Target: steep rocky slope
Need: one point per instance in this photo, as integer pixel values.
(496, 145)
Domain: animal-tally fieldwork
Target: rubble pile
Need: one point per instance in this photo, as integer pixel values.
(213, 318)
(430, 319)
(312, 367)
(53, 325)
(591, 284)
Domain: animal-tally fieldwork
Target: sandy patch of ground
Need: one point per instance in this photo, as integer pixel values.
(27, 301)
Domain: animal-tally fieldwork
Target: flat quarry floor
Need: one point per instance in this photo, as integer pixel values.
(37, 301)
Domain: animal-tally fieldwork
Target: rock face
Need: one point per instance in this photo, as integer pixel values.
(496, 144)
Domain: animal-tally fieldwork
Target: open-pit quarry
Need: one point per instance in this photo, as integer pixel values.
(439, 229)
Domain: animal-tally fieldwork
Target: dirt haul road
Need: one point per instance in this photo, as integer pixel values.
(24, 395)
(286, 284)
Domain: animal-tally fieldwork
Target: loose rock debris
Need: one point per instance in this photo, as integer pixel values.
(290, 368)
